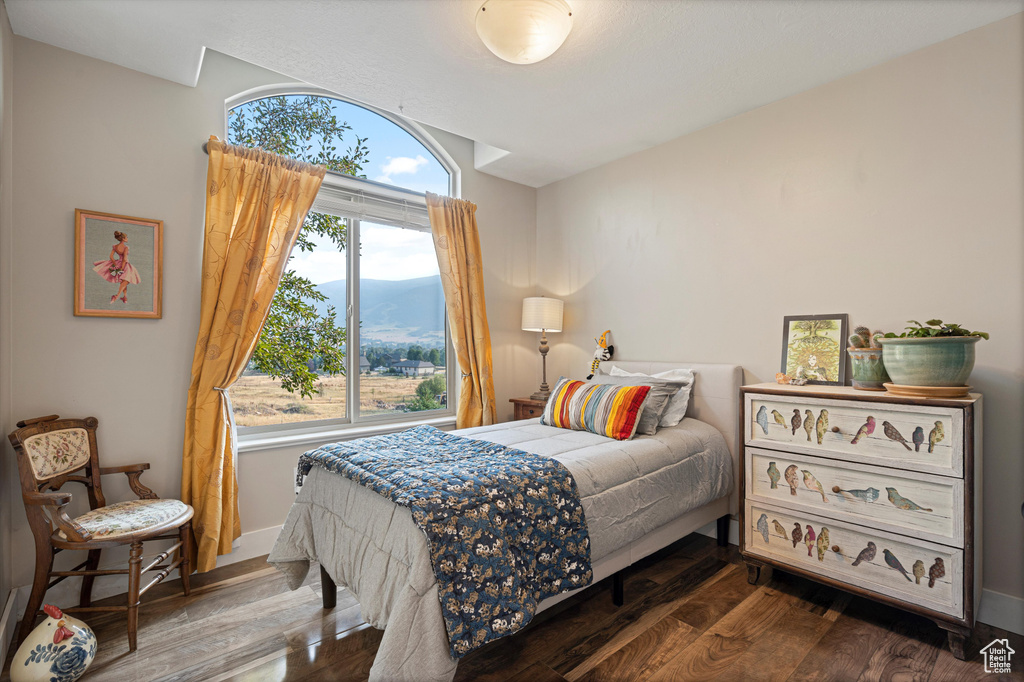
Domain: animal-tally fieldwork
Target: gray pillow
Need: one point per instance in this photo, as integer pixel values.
(657, 399)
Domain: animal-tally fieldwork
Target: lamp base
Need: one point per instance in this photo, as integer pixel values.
(541, 395)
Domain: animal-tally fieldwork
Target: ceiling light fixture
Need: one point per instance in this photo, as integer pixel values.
(523, 31)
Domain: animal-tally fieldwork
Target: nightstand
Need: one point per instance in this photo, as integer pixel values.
(527, 408)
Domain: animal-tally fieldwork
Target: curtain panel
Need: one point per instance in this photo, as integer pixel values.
(457, 244)
(255, 205)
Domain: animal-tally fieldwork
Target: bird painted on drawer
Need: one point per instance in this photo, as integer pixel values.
(865, 495)
(798, 534)
(937, 570)
(866, 554)
(792, 479)
(918, 438)
(809, 538)
(773, 475)
(822, 544)
(935, 436)
(901, 502)
(762, 419)
(812, 483)
(779, 419)
(894, 435)
(918, 570)
(866, 430)
(808, 424)
(762, 527)
(894, 563)
(821, 425)
(795, 421)
(779, 529)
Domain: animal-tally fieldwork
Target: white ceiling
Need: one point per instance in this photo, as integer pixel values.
(632, 74)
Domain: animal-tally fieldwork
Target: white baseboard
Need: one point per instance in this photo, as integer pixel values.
(711, 530)
(249, 545)
(8, 624)
(1002, 611)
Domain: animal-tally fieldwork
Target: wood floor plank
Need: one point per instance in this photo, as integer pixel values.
(538, 672)
(707, 606)
(901, 656)
(643, 655)
(715, 651)
(647, 613)
(661, 601)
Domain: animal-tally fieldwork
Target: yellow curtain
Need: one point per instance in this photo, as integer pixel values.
(255, 205)
(457, 243)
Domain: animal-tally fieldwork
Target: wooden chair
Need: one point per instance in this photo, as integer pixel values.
(51, 452)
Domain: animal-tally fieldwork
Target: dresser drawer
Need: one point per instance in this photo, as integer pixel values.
(857, 431)
(922, 505)
(945, 595)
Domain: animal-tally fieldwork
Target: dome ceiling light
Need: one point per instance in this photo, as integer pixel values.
(523, 31)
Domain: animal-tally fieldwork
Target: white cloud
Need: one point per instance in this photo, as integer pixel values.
(400, 165)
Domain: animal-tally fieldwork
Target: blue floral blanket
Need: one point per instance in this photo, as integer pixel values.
(505, 528)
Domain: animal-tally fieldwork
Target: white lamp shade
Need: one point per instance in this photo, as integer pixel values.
(523, 31)
(542, 314)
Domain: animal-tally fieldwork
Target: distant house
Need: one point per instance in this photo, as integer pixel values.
(364, 364)
(414, 368)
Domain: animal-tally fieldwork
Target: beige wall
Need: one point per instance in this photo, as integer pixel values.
(895, 193)
(98, 136)
(8, 501)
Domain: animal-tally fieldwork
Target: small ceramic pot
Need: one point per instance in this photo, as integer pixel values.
(868, 369)
(937, 361)
(60, 649)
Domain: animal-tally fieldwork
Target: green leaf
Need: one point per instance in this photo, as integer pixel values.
(935, 323)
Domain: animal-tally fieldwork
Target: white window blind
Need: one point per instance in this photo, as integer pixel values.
(371, 201)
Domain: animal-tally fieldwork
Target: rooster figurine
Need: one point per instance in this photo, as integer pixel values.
(60, 649)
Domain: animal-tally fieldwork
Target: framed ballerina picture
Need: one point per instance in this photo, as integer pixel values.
(118, 265)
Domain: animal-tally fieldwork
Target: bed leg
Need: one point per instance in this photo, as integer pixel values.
(617, 589)
(723, 531)
(330, 590)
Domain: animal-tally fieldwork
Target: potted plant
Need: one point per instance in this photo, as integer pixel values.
(933, 354)
(866, 360)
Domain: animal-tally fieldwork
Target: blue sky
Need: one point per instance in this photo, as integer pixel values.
(395, 157)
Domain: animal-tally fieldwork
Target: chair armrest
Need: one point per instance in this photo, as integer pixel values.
(58, 501)
(124, 469)
(55, 499)
(132, 471)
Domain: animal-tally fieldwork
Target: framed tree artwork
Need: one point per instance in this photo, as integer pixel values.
(814, 348)
(118, 265)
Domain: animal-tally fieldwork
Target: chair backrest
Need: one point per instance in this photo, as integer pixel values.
(52, 451)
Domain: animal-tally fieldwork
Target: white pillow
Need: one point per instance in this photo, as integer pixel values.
(678, 403)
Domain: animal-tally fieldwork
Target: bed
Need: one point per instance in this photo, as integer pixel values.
(638, 496)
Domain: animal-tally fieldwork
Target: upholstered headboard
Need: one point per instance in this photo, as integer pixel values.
(715, 399)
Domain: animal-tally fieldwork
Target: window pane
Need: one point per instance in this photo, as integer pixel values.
(401, 333)
(294, 339)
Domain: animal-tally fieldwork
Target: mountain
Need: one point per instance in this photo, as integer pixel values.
(398, 311)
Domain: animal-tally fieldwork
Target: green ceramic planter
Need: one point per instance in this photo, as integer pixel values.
(868, 370)
(941, 361)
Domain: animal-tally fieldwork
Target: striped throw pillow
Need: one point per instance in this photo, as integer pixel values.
(604, 409)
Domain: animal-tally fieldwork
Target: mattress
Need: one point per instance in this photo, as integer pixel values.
(374, 548)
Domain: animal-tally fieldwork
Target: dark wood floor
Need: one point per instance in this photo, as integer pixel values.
(689, 615)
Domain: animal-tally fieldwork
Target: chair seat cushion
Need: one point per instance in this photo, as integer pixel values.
(121, 518)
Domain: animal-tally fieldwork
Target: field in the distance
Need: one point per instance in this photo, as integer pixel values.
(259, 400)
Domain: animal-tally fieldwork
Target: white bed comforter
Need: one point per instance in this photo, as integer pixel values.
(372, 546)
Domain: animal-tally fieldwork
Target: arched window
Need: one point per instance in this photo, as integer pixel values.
(363, 274)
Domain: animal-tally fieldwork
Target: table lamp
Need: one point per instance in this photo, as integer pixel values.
(542, 315)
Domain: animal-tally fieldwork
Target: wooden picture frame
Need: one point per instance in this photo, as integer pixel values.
(814, 348)
(113, 279)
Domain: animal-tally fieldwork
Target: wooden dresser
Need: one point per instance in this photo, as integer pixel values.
(871, 493)
(527, 408)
